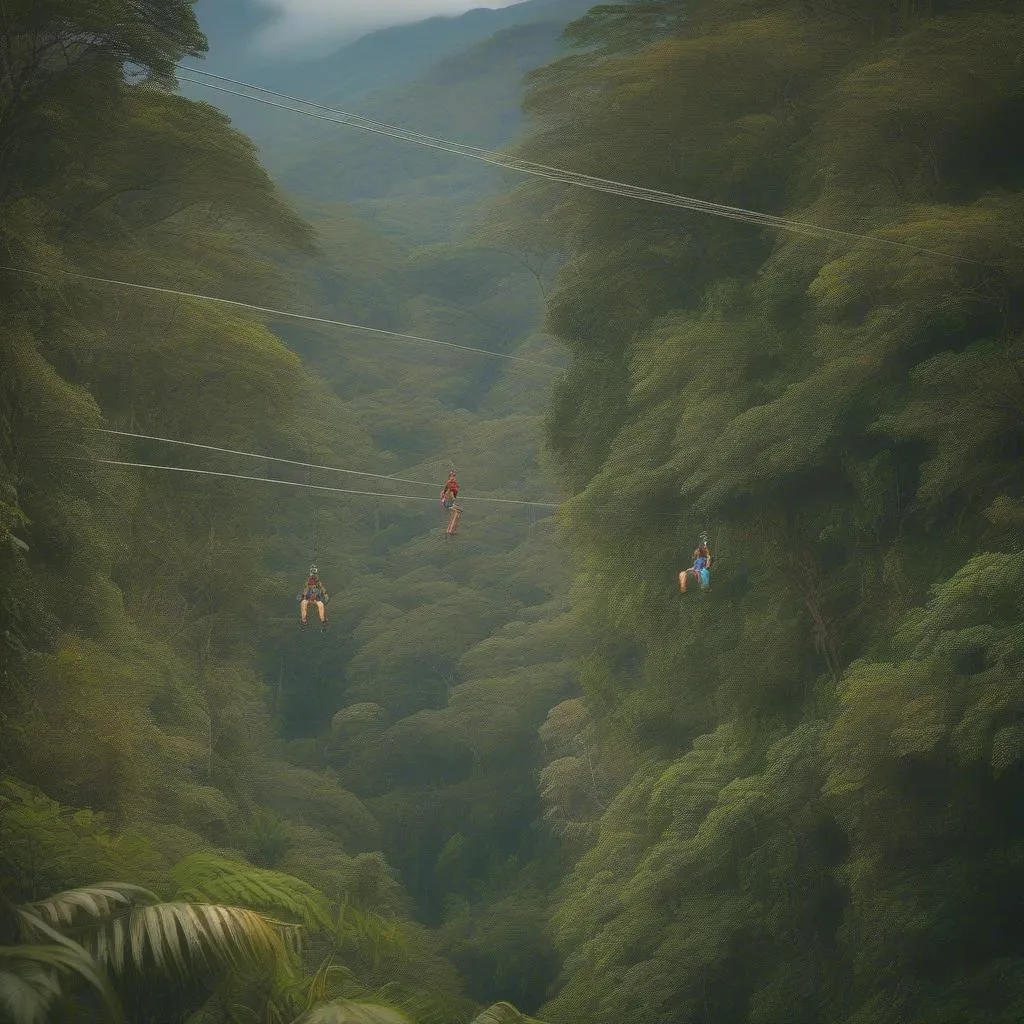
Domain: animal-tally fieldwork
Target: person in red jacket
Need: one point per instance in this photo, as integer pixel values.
(449, 493)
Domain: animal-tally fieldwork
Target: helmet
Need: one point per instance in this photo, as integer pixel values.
(314, 571)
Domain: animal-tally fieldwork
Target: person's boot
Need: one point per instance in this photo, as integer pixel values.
(303, 623)
(323, 626)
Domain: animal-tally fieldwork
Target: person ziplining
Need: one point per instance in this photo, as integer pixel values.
(700, 570)
(449, 493)
(314, 593)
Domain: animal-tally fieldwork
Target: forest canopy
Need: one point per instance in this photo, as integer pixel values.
(831, 764)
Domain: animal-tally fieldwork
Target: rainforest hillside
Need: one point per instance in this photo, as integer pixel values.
(826, 821)
(165, 723)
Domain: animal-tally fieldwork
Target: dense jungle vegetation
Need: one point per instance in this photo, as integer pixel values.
(521, 768)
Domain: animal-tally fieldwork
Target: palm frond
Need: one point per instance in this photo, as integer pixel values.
(209, 877)
(88, 905)
(349, 1011)
(186, 936)
(27, 988)
(30, 980)
(503, 1013)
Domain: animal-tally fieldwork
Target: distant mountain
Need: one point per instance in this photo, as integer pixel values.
(472, 97)
(395, 56)
(472, 94)
(368, 75)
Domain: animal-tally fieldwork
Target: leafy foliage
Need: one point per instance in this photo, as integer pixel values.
(823, 748)
(209, 878)
(31, 979)
(157, 681)
(124, 932)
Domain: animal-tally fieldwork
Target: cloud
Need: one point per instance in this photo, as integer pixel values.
(302, 23)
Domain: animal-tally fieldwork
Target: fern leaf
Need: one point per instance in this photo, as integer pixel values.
(375, 936)
(206, 877)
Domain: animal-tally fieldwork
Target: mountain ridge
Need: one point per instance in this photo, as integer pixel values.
(388, 59)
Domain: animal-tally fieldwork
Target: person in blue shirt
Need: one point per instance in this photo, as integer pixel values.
(700, 570)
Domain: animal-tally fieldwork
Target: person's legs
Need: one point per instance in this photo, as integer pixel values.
(303, 605)
(682, 580)
(453, 522)
(320, 609)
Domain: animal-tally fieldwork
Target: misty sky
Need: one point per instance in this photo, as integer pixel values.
(298, 23)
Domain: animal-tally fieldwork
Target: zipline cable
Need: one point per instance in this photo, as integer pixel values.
(551, 173)
(311, 487)
(276, 312)
(557, 174)
(316, 513)
(561, 507)
(289, 462)
(268, 458)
